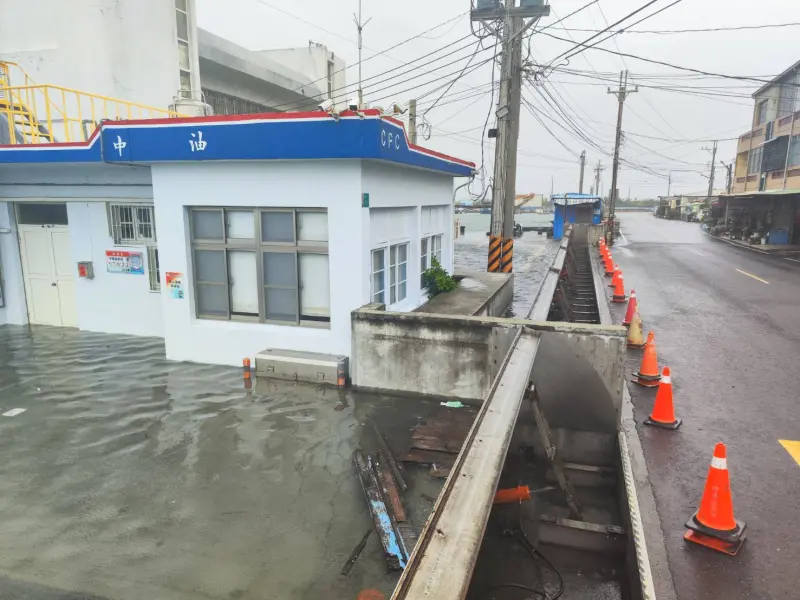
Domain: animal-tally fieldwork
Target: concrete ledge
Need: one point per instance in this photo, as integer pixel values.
(479, 294)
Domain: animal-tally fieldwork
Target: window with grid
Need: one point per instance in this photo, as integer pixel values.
(794, 151)
(262, 265)
(379, 275)
(431, 247)
(135, 225)
(184, 56)
(754, 160)
(227, 104)
(398, 273)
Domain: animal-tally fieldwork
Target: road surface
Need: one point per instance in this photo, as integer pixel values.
(727, 323)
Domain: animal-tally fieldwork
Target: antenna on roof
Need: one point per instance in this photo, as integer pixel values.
(360, 26)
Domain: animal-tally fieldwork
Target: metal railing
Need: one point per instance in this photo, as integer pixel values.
(37, 114)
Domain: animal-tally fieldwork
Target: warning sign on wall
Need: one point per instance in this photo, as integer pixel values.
(124, 261)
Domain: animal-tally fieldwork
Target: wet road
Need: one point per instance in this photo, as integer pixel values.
(130, 477)
(727, 323)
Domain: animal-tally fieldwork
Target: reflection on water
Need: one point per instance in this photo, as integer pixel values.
(533, 254)
(132, 477)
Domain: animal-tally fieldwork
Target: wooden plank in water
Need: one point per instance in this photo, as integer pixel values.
(440, 444)
(382, 521)
(388, 487)
(430, 457)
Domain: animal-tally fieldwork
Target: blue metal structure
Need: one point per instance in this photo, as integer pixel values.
(575, 208)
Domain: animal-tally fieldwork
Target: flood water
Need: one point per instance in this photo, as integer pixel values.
(131, 477)
(533, 254)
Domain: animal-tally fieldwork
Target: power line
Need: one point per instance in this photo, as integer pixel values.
(704, 30)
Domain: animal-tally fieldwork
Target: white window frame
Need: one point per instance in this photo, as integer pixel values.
(378, 294)
(132, 232)
(256, 244)
(430, 247)
(394, 273)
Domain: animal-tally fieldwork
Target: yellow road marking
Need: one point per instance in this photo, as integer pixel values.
(793, 448)
(753, 276)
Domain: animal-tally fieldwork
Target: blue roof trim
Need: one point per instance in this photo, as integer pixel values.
(300, 136)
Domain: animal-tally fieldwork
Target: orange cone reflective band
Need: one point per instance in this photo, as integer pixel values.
(648, 375)
(615, 276)
(714, 525)
(619, 291)
(635, 338)
(633, 306)
(609, 265)
(511, 495)
(663, 410)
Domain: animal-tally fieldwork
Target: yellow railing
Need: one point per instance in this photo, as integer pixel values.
(50, 113)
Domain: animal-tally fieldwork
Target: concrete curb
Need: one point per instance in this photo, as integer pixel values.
(734, 244)
(651, 556)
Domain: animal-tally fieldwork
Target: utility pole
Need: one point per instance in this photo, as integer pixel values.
(583, 166)
(621, 94)
(728, 176)
(412, 121)
(508, 23)
(597, 171)
(669, 183)
(713, 168)
(360, 26)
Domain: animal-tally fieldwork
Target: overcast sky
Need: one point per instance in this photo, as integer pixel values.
(717, 109)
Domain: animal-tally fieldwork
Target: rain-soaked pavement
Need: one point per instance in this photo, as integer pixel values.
(732, 343)
(130, 477)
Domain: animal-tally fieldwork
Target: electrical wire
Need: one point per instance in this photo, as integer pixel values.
(704, 30)
(478, 46)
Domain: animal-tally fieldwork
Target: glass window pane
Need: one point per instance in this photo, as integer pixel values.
(312, 226)
(209, 266)
(392, 294)
(186, 81)
(280, 269)
(212, 300)
(41, 214)
(403, 267)
(183, 55)
(181, 4)
(401, 291)
(277, 226)
(393, 255)
(207, 225)
(241, 224)
(315, 294)
(281, 304)
(377, 260)
(183, 25)
(402, 253)
(244, 283)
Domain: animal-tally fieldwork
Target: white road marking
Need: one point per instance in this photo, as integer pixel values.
(753, 276)
(624, 239)
(793, 259)
(696, 252)
(14, 412)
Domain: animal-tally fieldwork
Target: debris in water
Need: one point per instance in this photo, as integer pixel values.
(453, 404)
(438, 439)
(394, 465)
(393, 546)
(439, 472)
(348, 566)
(388, 487)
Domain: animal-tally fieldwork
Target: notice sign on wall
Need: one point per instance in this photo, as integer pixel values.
(123, 261)
(175, 285)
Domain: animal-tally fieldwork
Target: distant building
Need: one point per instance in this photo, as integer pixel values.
(765, 196)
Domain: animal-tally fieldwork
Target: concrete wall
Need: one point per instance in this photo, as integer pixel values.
(65, 182)
(111, 302)
(125, 49)
(14, 309)
(312, 62)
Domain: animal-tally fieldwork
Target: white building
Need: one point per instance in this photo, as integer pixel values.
(224, 236)
(151, 52)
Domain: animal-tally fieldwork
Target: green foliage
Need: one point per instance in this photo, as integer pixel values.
(437, 280)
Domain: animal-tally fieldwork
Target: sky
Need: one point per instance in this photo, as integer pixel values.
(668, 125)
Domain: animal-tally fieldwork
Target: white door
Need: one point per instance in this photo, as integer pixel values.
(48, 274)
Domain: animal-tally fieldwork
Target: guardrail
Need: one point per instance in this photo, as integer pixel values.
(43, 113)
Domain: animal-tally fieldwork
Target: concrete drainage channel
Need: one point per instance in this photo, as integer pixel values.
(554, 396)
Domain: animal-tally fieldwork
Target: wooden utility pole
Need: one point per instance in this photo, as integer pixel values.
(621, 94)
(509, 24)
(583, 166)
(597, 171)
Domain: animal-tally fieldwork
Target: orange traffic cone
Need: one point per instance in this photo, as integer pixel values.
(648, 375)
(615, 276)
(609, 265)
(619, 291)
(714, 525)
(635, 338)
(633, 306)
(663, 410)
